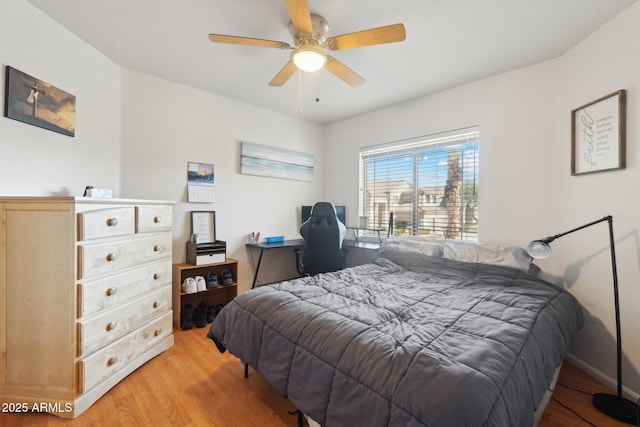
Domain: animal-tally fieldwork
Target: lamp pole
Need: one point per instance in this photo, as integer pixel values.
(614, 406)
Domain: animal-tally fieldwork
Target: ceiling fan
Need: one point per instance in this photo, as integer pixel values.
(308, 31)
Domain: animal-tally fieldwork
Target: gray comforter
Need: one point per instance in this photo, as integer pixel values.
(431, 342)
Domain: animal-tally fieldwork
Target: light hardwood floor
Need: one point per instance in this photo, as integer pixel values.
(192, 384)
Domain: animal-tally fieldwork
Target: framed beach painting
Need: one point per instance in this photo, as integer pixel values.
(263, 160)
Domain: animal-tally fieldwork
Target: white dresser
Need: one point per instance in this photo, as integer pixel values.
(85, 297)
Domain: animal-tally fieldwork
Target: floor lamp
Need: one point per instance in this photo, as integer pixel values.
(614, 406)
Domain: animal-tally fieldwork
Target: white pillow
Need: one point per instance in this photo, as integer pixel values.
(429, 246)
(510, 256)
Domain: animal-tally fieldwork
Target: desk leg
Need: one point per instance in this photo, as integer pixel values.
(255, 275)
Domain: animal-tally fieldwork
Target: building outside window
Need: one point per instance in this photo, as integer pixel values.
(428, 186)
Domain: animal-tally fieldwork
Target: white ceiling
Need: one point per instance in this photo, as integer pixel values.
(449, 42)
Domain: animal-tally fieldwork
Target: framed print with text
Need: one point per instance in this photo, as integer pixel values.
(203, 225)
(598, 135)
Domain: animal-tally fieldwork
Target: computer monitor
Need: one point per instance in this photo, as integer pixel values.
(341, 211)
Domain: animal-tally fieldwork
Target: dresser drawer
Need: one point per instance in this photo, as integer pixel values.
(104, 363)
(97, 295)
(106, 223)
(153, 218)
(115, 255)
(106, 326)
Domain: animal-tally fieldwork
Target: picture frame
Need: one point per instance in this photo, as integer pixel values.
(38, 103)
(598, 135)
(274, 162)
(203, 226)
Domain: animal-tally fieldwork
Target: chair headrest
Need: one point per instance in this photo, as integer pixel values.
(323, 208)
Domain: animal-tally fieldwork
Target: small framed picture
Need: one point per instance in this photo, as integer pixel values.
(598, 135)
(203, 226)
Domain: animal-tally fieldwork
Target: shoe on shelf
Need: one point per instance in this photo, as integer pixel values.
(219, 308)
(212, 279)
(189, 286)
(186, 317)
(227, 277)
(200, 315)
(201, 285)
(211, 313)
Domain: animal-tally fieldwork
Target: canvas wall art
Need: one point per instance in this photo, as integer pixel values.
(598, 134)
(256, 159)
(38, 103)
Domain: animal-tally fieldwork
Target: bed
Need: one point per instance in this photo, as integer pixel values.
(430, 333)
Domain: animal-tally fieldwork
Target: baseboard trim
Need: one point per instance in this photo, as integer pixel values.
(603, 378)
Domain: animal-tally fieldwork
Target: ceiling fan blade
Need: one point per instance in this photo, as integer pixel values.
(388, 34)
(300, 16)
(343, 72)
(284, 74)
(221, 38)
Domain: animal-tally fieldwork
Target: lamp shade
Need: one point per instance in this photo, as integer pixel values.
(539, 249)
(308, 58)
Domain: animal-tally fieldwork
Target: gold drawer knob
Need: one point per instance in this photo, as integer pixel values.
(112, 222)
(156, 276)
(112, 257)
(158, 248)
(157, 332)
(112, 360)
(156, 304)
(111, 291)
(111, 326)
(157, 219)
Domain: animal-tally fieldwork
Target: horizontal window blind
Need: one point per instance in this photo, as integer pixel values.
(428, 184)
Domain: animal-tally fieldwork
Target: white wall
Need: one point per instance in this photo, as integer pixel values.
(602, 64)
(34, 161)
(167, 125)
(488, 103)
(136, 133)
(526, 188)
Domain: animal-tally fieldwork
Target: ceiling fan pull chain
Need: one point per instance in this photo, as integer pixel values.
(299, 93)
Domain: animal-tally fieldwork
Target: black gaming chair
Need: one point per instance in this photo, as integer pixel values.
(322, 233)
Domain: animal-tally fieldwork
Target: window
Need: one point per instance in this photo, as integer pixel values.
(429, 184)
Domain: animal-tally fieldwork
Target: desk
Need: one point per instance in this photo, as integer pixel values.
(294, 244)
(299, 243)
(356, 231)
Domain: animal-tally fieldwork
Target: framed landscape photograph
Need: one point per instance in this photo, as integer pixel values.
(598, 135)
(32, 101)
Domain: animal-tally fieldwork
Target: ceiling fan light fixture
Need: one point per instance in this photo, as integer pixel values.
(309, 32)
(308, 58)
